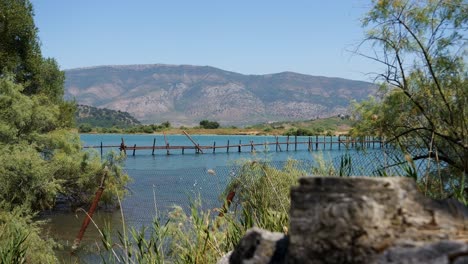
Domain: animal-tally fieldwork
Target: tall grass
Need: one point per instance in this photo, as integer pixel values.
(200, 235)
(21, 238)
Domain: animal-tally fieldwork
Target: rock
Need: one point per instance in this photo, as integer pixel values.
(225, 258)
(435, 253)
(362, 220)
(353, 220)
(260, 246)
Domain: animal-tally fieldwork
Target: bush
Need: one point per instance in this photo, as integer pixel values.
(166, 124)
(299, 132)
(147, 129)
(209, 124)
(85, 128)
(21, 238)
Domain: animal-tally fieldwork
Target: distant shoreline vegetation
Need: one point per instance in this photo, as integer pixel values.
(106, 121)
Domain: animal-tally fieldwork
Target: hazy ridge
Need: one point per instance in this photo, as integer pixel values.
(186, 94)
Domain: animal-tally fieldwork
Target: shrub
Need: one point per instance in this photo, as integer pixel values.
(209, 124)
(85, 128)
(21, 239)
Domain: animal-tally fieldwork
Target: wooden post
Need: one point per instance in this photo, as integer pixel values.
(331, 142)
(277, 144)
(101, 149)
(239, 150)
(373, 142)
(167, 144)
(154, 144)
(197, 146)
(295, 143)
(316, 142)
(324, 141)
(183, 150)
(214, 147)
(309, 145)
(227, 148)
(251, 146)
(287, 143)
(89, 215)
(123, 147)
(339, 142)
(134, 149)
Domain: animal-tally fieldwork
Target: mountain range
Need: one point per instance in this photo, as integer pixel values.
(186, 94)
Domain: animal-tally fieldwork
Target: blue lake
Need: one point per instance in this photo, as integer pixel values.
(161, 181)
(161, 161)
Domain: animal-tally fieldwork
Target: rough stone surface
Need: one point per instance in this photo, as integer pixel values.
(260, 246)
(435, 253)
(225, 258)
(362, 220)
(352, 220)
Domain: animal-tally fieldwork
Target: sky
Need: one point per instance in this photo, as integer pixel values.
(246, 36)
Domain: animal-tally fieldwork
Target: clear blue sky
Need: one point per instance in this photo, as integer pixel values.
(246, 36)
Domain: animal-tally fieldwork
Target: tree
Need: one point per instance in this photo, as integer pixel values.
(166, 124)
(40, 157)
(20, 53)
(424, 87)
(209, 124)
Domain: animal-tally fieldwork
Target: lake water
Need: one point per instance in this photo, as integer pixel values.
(161, 180)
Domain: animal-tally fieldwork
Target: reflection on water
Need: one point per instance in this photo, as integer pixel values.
(64, 226)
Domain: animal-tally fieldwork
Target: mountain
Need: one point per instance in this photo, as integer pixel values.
(103, 117)
(185, 94)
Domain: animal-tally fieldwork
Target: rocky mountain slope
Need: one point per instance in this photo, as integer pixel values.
(185, 94)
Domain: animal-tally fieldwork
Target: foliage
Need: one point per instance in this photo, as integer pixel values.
(103, 117)
(262, 194)
(209, 124)
(85, 128)
(308, 127)
(300, 132)
(204, 236)
(424, 85)
(20, 53)
(21, 238)
(40, 159)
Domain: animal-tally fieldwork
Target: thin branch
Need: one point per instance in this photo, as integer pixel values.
(429, 65)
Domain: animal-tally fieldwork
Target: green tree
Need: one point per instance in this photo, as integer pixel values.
(209, 124)
(85, 128)
(41, 159)
(423, 108)
(166, 124)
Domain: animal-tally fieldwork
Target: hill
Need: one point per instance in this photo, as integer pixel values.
(186, 94)
(102, 117)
